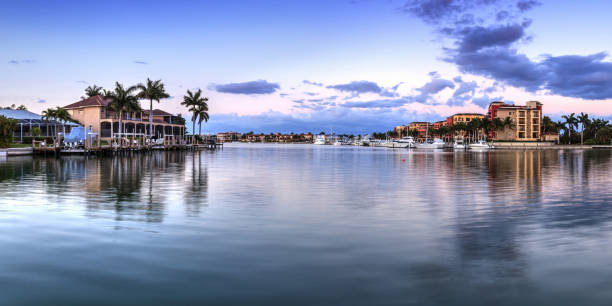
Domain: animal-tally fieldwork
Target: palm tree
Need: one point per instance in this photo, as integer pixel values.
(92, 91)
(584, 120)
(487, 125)
(47, 115)
(498, 124)
(509, 123)
(192, 100)
(570, 121)
(202, 114)
(63, 115)
(152, 90)
(473, 127)
(547, 125)
(123, 100)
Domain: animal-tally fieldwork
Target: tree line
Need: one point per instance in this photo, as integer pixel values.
(581, 128)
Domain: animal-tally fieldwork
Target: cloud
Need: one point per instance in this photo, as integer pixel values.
(83, 82)
(23, 61)
(358, 87)
(462, 12)
(39, 100)
(433, 87)
(246, 88)
(307, 82)
(484, 100)
(463, 93)
(475, 38)
(502, 64)
(527, 5)
(388, 103)
(483, 46)
(587, 77)
(141, 62)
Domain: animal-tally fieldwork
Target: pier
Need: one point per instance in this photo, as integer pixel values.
(121, 144)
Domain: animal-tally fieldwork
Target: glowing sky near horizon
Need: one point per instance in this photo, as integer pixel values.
(296, 66)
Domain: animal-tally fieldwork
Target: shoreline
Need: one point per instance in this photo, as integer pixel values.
(498, 146)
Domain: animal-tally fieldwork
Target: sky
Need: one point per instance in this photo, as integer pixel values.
(346, 66)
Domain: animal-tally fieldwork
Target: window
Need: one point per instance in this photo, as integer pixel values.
(468, 119)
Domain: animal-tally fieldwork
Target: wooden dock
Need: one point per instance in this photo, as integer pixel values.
(123, 147)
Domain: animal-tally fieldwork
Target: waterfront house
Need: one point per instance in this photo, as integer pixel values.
(94, 113)
(27, 120)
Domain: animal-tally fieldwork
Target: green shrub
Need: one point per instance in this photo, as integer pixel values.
(7, 127)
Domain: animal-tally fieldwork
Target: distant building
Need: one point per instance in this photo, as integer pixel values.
(400, 129)
(463, 118)
(439, 124)
(526, 120)
(421, 127)
(228, 136)
(94, 112)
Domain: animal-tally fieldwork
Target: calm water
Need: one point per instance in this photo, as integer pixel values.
(308, 225)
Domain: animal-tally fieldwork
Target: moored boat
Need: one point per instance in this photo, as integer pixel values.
(437, 143)
(480, 145)
(459, 144)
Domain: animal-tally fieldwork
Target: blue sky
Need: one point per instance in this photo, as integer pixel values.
(350, 66)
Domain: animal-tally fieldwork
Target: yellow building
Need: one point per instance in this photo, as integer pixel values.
(94, 113)
(463, 118)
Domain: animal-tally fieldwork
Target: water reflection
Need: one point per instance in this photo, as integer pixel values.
(124, 188)
(330, 225)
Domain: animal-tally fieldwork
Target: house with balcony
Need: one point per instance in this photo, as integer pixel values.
(94, 113)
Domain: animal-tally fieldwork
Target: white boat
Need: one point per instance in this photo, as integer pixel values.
(480, 145)
(437, 143)
(337, 142)
(459, 144)
(320, 140)
(406, 142)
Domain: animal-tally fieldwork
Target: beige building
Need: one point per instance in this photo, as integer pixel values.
(526, 121)
(94, 113)
(228, 136)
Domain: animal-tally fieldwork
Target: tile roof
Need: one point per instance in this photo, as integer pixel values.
(157, 112)
(91, 101)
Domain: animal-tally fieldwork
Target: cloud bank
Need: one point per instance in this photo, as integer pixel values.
(246, 88)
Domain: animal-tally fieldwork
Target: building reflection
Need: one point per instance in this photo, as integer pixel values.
(487, 231)
(137, 187)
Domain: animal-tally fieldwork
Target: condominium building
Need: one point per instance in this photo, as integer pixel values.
(526, 120)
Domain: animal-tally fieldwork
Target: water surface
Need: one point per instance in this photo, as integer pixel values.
(308, 225)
